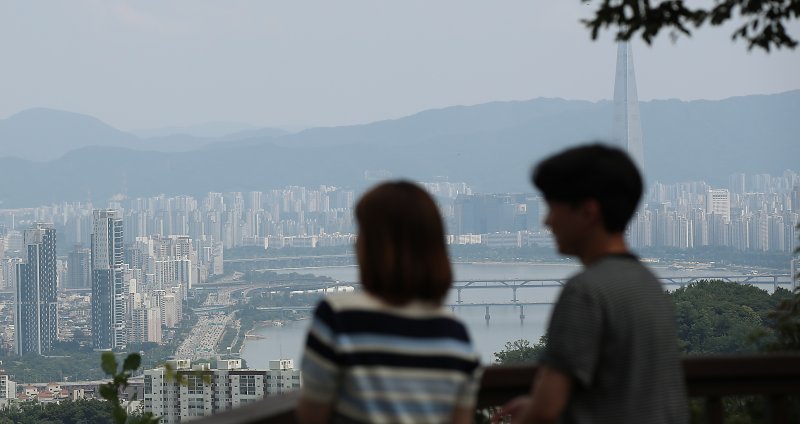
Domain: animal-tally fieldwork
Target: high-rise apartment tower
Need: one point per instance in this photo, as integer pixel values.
(109, 294)
(36, 318)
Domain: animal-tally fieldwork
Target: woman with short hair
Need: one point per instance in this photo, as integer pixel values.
(392, 353)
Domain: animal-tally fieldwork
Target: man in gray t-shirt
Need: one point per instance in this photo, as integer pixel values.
(612, 351)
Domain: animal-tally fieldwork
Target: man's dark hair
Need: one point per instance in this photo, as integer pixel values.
(605, 174)
(401, 247)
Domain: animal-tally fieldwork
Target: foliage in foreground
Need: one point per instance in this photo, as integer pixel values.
(784, 322)
(762, 23)
(119, 382)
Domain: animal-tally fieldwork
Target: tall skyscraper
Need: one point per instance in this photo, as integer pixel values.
(109, 294)
(627, 124)
(36, 319)
(79, 269)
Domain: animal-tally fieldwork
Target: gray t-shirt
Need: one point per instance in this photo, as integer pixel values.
(613, 331)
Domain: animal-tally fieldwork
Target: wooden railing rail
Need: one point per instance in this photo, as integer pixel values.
(708, 377)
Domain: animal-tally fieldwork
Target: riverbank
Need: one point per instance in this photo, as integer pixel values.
(251, 334)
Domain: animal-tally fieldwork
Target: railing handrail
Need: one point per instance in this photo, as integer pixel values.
(706, 376)
(275, 409)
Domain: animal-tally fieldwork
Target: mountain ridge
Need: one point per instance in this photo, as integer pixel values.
(490, 146)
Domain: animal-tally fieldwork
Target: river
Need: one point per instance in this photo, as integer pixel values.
(489, 336)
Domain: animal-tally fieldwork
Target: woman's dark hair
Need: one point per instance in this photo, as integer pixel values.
(605, 174)
(401, 247)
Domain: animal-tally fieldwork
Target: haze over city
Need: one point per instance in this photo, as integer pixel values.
(152, 64)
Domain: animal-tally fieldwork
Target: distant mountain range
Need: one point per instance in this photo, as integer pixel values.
(207, 129)
(51, 156)
(43, 135)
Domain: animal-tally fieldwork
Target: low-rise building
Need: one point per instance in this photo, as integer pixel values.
(186, 392)
(8, 388)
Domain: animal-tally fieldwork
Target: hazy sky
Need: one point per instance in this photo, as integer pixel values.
(146, 64)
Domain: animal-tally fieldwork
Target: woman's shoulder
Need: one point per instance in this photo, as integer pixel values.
(352, 300)
(365, 302)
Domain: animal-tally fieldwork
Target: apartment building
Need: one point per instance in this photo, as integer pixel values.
(191, 391)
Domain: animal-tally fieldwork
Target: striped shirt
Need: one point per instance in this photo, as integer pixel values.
(613, 331)
(383, 364)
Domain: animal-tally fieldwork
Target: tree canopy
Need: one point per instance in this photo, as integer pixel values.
(721, 317)
(520, 351)
(77, 412)
(762, 23)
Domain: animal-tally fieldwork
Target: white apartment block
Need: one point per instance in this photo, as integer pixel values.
(9, 272)
(503, 240)
(206, 391)
(463, 239)
(170, 304)
(8, 388)
(145, 325)
(718, 202)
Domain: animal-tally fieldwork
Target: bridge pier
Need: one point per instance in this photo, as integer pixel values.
(458, 292)
(488, 317)
(514, 298)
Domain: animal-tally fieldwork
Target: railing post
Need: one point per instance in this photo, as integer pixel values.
(714, 411)
(777, 409)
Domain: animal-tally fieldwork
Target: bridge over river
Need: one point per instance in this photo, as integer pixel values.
(776, 280)
(452, 306)
(514, 285)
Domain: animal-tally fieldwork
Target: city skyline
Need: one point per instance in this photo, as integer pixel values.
(301, 216)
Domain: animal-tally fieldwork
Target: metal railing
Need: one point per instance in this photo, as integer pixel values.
(709, 377)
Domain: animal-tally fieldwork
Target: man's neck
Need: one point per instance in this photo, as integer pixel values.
(601, 245)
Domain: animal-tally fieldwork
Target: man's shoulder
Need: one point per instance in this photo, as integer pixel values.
(610, 271)
(615, 264)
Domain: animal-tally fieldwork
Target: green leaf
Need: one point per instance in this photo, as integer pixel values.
(109, 363)
(132, 362)
(120, 416)
(108, 392)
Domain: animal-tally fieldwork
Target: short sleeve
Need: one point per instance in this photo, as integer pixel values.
(321, 365)
(574, 335)
(468, 396)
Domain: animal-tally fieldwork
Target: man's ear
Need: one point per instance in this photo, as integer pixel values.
(590, 208)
